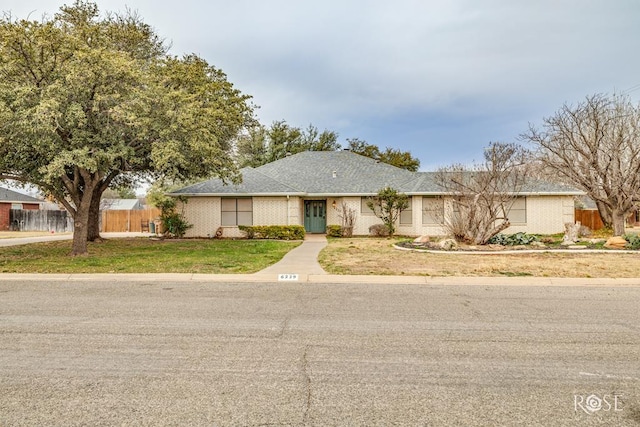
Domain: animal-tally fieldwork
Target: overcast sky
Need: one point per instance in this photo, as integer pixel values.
(440, 78)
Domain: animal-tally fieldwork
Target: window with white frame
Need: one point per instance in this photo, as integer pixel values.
(517, 214)
(432, 210)
(237, 211)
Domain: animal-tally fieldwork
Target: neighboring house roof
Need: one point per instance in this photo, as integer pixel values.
(9, 196)
(585, 203)
(120, 204)
(335, 173)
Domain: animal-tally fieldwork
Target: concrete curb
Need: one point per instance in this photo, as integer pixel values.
(324, 278)
(521, 251)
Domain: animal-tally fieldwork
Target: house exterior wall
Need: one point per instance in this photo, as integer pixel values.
(545, 215)
(205, 215)
(271, 211)
(31, 206)
(333, 214)
(295, 206)
(362, 222)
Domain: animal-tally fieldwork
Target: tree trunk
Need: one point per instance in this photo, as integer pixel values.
(618, 218)
(605, 214)
(81, 226)
(81, 217)
(93, 230)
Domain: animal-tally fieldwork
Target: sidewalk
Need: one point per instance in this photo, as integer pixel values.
(304, 279)
(301, 260)
(67, 236)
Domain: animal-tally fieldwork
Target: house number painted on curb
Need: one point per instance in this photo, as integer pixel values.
(287, 277)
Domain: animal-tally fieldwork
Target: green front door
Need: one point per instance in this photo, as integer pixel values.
(315, 216)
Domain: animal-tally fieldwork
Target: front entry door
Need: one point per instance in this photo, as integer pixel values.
(315, 216)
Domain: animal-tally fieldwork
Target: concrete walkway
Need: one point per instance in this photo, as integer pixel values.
(302, 260)
(17, 241)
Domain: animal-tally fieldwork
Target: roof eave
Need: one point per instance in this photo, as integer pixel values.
(283, 194)
(35, 202)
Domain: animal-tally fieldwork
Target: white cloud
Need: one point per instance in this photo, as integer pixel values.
(349, 65)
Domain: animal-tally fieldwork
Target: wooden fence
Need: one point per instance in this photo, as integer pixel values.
(122, 221)
(589, 218)
(40, 220)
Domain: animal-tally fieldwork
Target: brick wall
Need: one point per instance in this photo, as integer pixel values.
(271, 211)
(545, 215)
(205, 215)
(5, 209)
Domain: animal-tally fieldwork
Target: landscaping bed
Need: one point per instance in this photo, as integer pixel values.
(521, 242)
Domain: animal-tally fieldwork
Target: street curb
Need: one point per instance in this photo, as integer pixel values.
(323, 279)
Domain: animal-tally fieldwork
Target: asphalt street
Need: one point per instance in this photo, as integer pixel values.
(254, 354)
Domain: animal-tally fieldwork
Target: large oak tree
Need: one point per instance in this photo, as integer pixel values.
(90, 101)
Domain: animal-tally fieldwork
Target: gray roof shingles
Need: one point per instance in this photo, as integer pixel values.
(253, 182)
(9, 196)
(335, 173)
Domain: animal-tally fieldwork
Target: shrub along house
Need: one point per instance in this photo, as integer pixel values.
(309, 189)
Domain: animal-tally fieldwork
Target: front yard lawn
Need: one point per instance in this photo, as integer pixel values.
(142, 255)
(377, 256)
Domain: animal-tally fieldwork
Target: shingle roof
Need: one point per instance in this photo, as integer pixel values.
(253, 182)
(543, 187)
(9, 196)
(335, 173)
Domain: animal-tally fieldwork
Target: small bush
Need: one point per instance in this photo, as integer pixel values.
(498, 239)
(513, 239)
(248, 230)
(277, 232)
(633, 241)
(379, 230)
(174, 222)
(334, 231)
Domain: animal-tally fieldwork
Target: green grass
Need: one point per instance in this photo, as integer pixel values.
(142, 255)
(512, 273)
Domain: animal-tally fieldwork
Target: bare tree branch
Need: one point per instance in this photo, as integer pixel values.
(484, 193)
(596, 146)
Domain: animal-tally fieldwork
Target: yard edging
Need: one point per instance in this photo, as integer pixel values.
(518, 251)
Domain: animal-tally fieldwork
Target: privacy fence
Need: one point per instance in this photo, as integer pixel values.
(589, 218)
(132, 221)
(40, 220)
